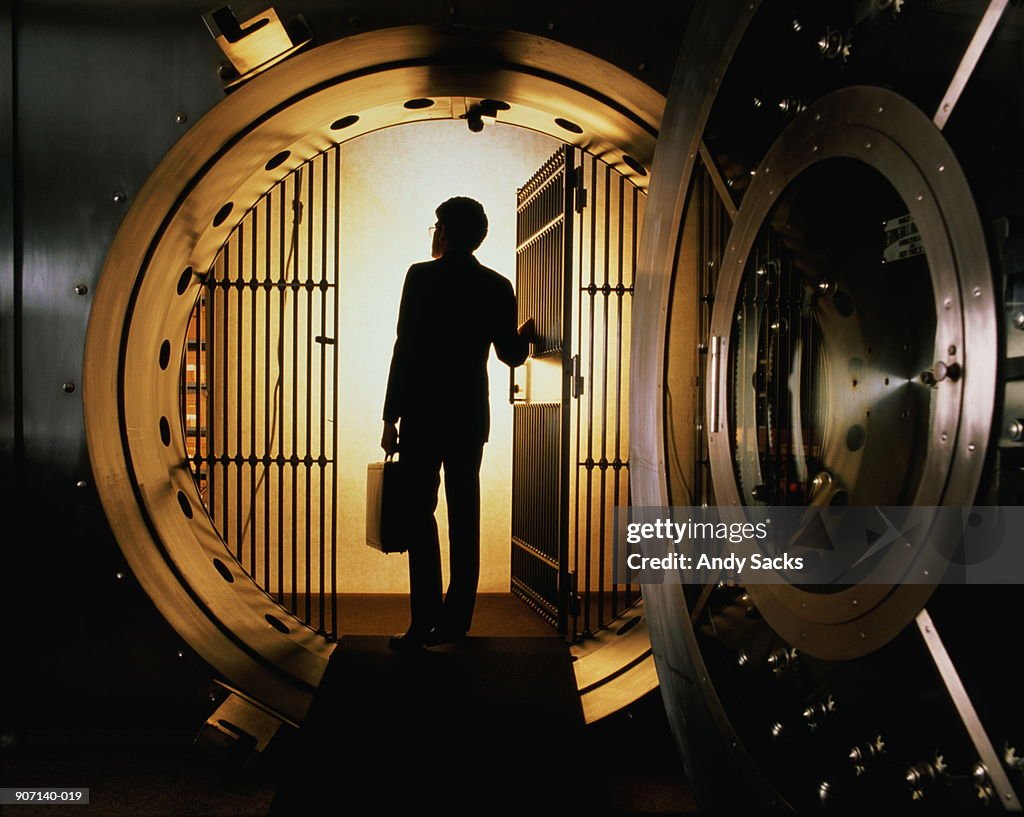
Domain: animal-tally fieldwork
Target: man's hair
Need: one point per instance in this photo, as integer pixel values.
(465, 222)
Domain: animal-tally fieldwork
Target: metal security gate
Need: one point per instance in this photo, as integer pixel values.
(608, 214)
(577, 233)
(260, 392)
(540, 427)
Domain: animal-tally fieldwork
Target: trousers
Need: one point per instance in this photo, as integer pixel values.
(423, 457)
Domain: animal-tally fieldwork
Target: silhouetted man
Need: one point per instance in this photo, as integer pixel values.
(453, 309)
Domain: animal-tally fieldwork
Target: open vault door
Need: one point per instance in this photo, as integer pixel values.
(577, 232)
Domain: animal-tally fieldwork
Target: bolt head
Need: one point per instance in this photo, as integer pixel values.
(68, 387)
(119, 197)
(81, 289)
(181, 117)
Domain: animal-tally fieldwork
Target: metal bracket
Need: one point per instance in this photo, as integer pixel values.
(257, 42)
(968, 714)
(989, 20)
(719, 182)
(239, 729)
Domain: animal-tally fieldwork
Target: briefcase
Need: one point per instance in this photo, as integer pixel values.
(385, 507)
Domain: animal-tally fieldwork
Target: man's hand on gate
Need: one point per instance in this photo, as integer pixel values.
(527, 330)
(389, 439)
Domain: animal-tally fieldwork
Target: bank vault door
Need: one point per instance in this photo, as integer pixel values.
(577, 228)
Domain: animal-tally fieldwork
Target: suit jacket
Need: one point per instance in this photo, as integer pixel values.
(452, 310)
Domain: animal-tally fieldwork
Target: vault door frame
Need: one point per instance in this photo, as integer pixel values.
(541, 406)
(181, 217)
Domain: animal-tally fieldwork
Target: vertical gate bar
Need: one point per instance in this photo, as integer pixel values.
(634, 196)
(297, 209)
(576, 408)
(211, 386)
(635, 221)
(619, 249)
(267, 472)
(254, 243)
(565, 338)
(601, 526)
(226, 388)
(239, 320)
(334, 429)
(212, 390)
(589, 502)
(207, 293)
(278, 432)
(309, 389)
(323, 383)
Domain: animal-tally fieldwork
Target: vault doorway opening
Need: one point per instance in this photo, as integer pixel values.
(287, 357)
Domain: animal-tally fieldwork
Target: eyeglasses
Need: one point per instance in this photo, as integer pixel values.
(431, 230)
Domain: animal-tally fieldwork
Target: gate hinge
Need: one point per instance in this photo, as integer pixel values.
(577, 377)
(579, 191)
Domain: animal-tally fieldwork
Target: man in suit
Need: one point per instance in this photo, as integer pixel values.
(453, 309)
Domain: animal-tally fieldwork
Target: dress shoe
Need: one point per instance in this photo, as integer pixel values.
(443, 635)
(409, 640)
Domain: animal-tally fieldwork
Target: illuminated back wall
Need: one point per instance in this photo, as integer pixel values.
(391, 182)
